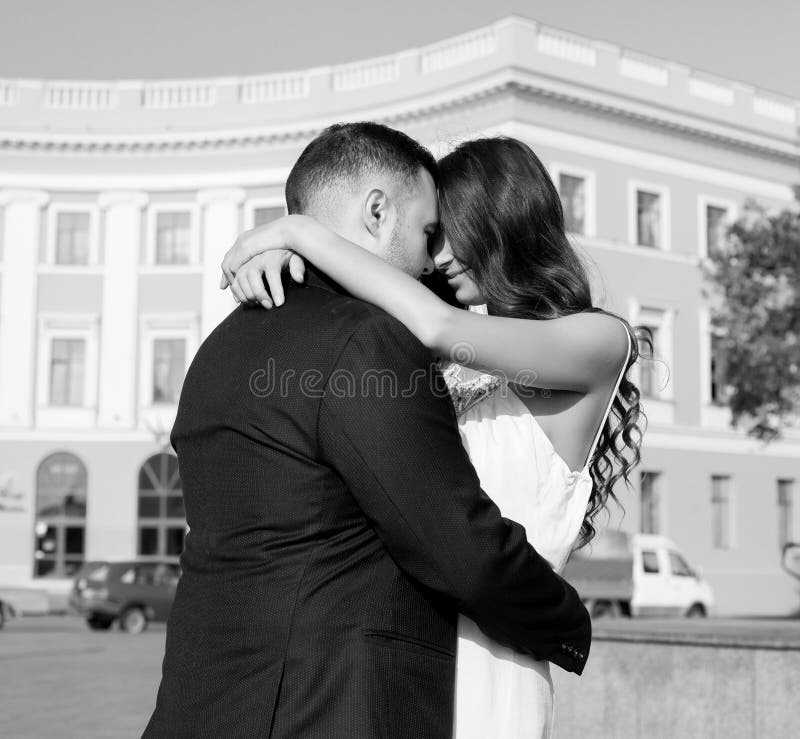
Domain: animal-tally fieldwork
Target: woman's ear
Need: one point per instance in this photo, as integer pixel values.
(375, 212)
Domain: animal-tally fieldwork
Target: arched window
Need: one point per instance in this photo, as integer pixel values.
(60, 516)
(162, 520)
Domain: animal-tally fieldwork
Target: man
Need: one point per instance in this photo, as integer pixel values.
(336, 524)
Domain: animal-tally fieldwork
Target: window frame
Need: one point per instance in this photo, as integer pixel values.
(51, 240)
(635, 186)
(658, 489)
(151, 247)
(60, 524)
(645, 311)
(154, 326)
(251, 205)
(732, 514)
(161, 524)
(590, 177)
(789, 511)
(84, 326)
(703, 203)
(153, 340)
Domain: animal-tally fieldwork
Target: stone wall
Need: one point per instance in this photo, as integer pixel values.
(678, 680)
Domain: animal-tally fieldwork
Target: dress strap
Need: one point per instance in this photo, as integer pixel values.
(611, 400)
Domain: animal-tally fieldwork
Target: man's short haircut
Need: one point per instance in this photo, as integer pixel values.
(344, 153)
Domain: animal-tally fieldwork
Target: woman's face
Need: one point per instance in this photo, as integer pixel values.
(444, 260)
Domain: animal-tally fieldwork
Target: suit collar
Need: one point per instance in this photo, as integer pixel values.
(316, 278)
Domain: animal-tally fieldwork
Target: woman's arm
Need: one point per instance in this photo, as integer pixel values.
(578, 352)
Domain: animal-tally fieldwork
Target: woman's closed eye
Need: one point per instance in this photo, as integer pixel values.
(434, 240)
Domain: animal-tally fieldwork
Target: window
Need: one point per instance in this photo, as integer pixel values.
(785, 512)
(168, 343)
(60, 516)
(267, 214)
(653, 367)
(719, 391)
(716, 229)
(651, 503)
(573, 200)
(576, 187)
(169, 363)
(648, 382)
(650, 563)
(162, 520)
(678, 566)
(721, 512)
(72, 234)
(72, 238)
(648, 219)
(715, 216)
(67, 367)
(261, 210)
(173, 237)
(158, 574)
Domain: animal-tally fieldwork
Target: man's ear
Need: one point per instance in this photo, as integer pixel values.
(376, 210)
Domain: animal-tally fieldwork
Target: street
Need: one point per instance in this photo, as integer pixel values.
(61, 679)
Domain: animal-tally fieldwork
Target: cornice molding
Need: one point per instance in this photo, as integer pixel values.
(20, 196)
(124, 198)
(416, 111)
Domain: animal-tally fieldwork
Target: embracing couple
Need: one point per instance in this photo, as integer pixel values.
(370, 555)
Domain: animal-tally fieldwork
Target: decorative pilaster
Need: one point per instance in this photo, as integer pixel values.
(220, 208)
(118, 350)
(21, 237)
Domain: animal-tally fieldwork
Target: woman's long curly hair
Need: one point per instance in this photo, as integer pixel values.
(503, 218)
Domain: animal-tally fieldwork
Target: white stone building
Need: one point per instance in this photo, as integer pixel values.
(118, 199)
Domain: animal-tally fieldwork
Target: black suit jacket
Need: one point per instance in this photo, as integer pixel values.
(336, 527)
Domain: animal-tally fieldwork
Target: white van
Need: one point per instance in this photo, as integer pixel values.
(638, 575)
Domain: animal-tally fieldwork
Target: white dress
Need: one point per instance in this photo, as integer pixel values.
(501, 694)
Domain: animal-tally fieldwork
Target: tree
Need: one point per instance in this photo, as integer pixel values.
(754, 290)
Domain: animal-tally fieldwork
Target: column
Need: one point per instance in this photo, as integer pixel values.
(21, 239)
(220, 210)
(119, 353)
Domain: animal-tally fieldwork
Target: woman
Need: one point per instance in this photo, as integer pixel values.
(550, 442)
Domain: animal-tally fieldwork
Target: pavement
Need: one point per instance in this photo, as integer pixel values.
(58, 678)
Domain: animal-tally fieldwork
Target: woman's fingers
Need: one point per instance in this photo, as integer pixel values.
(234, 258)
(253, 275)
(227, 273)
(244, 286)
(297, 268)
(239, 253)
(273, 274)
(237, 291)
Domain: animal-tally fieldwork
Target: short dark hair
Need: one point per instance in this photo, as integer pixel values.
(345, 152)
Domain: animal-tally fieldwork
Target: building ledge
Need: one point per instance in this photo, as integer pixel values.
(778, 634)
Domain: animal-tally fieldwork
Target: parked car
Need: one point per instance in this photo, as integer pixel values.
(621, 574)
(133, 592)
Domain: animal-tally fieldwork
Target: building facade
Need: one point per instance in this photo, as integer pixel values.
(118, 200)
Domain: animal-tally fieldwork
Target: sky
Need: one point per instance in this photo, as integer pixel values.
(749, 41)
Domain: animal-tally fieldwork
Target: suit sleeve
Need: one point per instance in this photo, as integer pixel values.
(387, 427)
